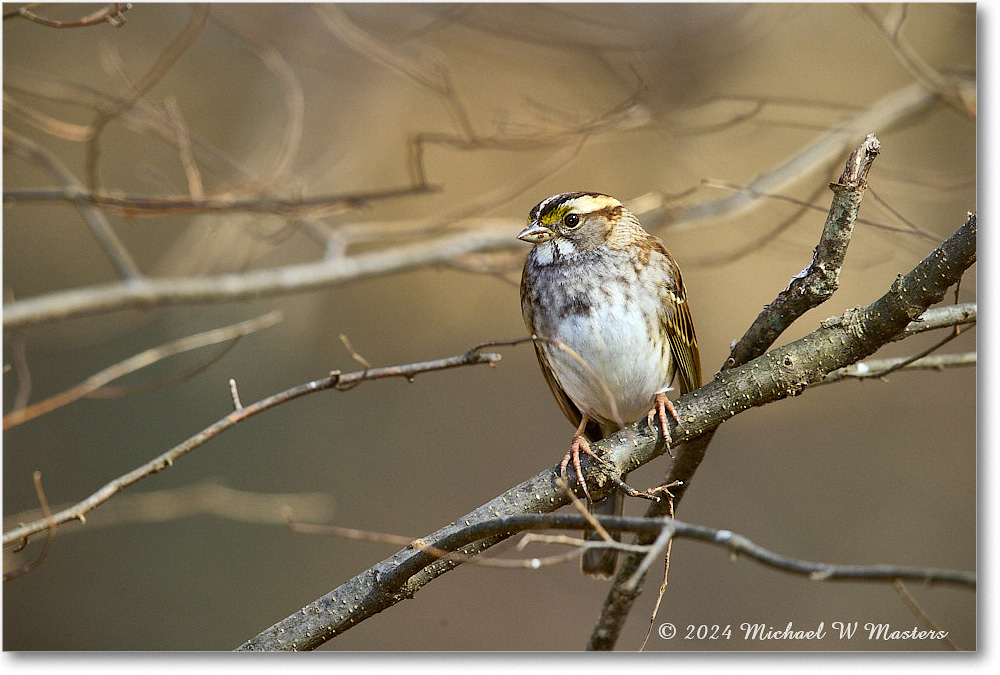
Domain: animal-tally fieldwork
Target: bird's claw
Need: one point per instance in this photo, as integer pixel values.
(660, 409)
(579, 443)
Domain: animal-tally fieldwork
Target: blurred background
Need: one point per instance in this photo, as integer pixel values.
(495, 107)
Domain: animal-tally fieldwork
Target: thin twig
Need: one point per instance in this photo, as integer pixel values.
(919, 355)
(582, 509)
(806, 205)
(941, 317)
(72, 189)
(235, 394)
(919, 612)
(78, 511)
(883, 114)
(659, 547)
(440, 554)
(879, 368)
(209, 498)
(50, 534)
(196, 187)
(113, 14)
(163, 65)
(227, 202)
(663, 584)
(910, 225)
(138, 362)
(950, 89)
(169, 380)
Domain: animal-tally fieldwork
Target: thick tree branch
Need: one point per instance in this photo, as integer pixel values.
(784, 371)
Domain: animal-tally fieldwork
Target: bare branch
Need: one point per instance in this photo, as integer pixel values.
(207, 498)
(941, 317)
(879, 368)
(50, 534)
(919, 612)
(138, 362)
(662, 530)
(145, 293)
(883, 114)
(113, 14)
(72, 191)
(179, 45)
(335, 379)
(820, 279)
(227, 201)
(330, 615)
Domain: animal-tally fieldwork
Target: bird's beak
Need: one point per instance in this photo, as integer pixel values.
(536, 233)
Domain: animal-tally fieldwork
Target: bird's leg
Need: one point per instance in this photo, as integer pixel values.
(579, 443)
(661, 406)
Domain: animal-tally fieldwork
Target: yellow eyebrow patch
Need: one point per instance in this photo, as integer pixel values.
(555, 215)
(581, 204)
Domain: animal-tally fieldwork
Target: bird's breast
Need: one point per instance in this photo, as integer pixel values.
(611, 345)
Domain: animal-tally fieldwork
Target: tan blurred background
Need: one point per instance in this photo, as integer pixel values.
(629, 100)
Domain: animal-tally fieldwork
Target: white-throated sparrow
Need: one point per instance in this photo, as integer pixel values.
(607, 302)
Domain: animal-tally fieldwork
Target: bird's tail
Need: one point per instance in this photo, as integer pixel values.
(600, 562)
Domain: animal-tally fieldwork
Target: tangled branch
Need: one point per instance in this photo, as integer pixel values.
(447, 249)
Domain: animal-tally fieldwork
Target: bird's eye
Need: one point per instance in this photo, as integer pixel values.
(572, 220)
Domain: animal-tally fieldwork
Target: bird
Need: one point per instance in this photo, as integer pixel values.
(608, 312)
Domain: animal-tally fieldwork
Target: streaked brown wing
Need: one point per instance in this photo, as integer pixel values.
(680, 328)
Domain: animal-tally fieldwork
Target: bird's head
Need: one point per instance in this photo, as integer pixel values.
(572, 222)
